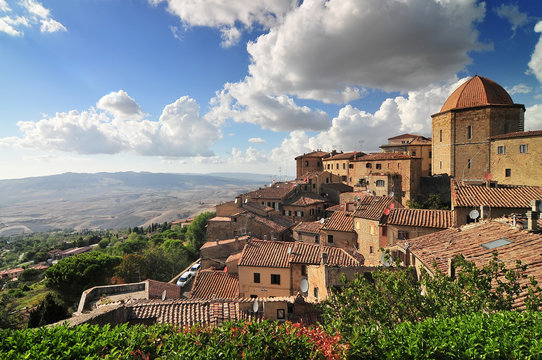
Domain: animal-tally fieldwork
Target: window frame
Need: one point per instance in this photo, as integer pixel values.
(257, 277)
(275, 279)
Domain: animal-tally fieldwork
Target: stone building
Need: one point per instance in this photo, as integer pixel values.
(414, 145)
(404, 224)
(516, 158)
(477, 110)
(310, 162)
(340, 164)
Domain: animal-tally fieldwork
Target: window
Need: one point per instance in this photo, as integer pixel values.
(380, 183)
(330, 239)
(440, 135)
(523, 148)
(350, 166)
(402, 235)
(368, 165)
(303, 270)
(468, 163)
(328, 166)
(440, 164)
(252, 296)
(311, 211)
(507, 172)
(280, 314)
(306, 163)
(384, 231)
(469, 132)
(317, 239)
(275, 279)
(378, 166)
(414, 153)
(257, 278)
(501, 149)
(370, 249)
(430, 154)
(343, 178)
(327, 180)
(344, 166)
(316, 293)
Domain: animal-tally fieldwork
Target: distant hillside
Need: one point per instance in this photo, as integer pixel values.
(113, 200)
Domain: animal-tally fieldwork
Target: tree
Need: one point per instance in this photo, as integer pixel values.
(49, 311)
(133, 268)
(72, 275)
(195, 234)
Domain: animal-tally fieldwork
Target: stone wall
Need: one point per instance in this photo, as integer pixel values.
(524, 168)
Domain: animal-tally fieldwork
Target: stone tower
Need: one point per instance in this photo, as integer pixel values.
(478, 109)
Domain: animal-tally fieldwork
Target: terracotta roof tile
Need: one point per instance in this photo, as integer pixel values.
(373, 207)
(276, 223)
(305, 199)
(262, 253)
(210, 284)
(341, 187)
(518, 134)
(340, 221)
(213, 243)
(503, 196)
(438, 247)
(345, 156)
(477, 91)
(313, 154)
(275, 191)
(312, 227)
(441, 219)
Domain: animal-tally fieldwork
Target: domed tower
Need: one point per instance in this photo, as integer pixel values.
(478, 109)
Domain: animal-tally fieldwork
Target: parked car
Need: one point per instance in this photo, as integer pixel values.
(194, 269)
(183, 279)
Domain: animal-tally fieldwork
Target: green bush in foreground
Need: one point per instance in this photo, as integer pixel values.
(504, 335)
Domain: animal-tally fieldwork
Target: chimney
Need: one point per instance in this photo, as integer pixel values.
(324, 257)
(533, 215)
(239, 201)
(451, 268)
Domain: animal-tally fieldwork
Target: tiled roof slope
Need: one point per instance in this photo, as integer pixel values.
(190, 312)
(341, 187)
(277, 223)
(517, 134)
(503, 196)
(312, 227)
(210, 284)
(313, 154)
(477, 91)
(262, 253)
(305, 199)
(441, 219)
(340, 221)
(345, 156)
(438, 247)
(372, 207)
(275, 191)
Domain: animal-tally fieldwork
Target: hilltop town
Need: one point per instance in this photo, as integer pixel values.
(473, 188)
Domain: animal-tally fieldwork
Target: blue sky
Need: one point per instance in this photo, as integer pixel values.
(190, 86)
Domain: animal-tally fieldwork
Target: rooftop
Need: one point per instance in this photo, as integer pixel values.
(373, 207)
(340, 221)
(385, 156)
(502, 196)
(312, 227)
(477, 91)
(313, 154)
(305, 199)
(210, 284)
(275, 254)
(275, 191)
(345, 156)
(518, 134)
(441, 219)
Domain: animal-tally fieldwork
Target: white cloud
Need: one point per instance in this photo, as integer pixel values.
(51, 26)
(519, 89)
(180, 130)
(533, 117)
(328, 50)
(29, 13)
(176, 33)
(250, 156)
(4, 6)
(535, 64)
(256, 140)
(241, 103)
(355, 129)
(121, 105)
(512, 14)
(231, 17)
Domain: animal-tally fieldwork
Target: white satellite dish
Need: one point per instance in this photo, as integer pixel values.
(392, 194)
(246, 200)
(540, 207)
(304, 286)
(386, 260)
(255, 306)
(357, 198)
(474, 214)
(322, 220)
(289, 250)
(236, 200)
(164, 295)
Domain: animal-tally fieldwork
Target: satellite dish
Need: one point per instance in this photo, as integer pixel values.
(474, 214)
(540, 207)
(322, 220)
(387, 212)
(392, 194)
(255, 306)
(357, 198)
(392, 206)
(386, 260)
(304, 285)
(489, 176)
(164, 295)
(289, 250)
(246, 200)
(236, 200)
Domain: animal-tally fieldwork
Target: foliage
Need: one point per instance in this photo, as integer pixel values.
(133, 268)
(502, 335)
(31, 275)
(432, 202)
(195, 234)
(393, 295)
(229, 341)
(72, 275)
(49, 311)
(8, 317)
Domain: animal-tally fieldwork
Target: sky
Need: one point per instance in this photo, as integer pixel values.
(203, 86)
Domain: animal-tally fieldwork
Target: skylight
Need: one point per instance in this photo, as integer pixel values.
(496, 243)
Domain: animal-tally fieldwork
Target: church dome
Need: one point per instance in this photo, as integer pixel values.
(477, 91)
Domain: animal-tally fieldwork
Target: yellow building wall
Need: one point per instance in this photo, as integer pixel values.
(341, 239)
(525, 168)
(248, 287)
(368, 240)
